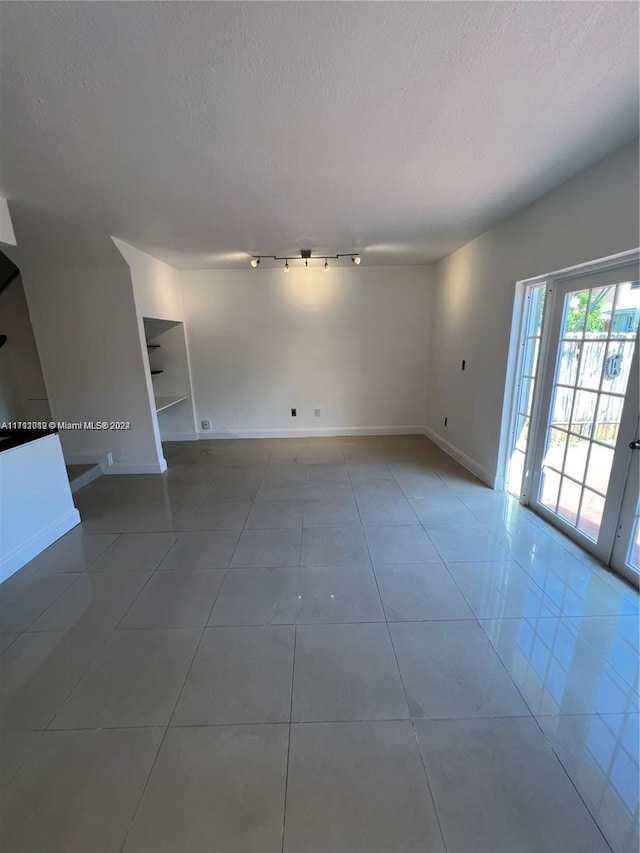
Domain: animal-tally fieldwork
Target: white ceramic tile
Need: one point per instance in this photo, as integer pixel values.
(175, 600)
(239, 675)
(450, 671)
(134, 681)
(556, 669)
(501, 590)
(399, 544)
(262, 548)
(214, 788)
(498, 787)
(334, 546)
(135, 552)
(298, 596)
(201, 551)
(77, 791)
(600, 754)
(23, 597)
(420, 592)
(358, 787)
(96, 601)
(346, 672)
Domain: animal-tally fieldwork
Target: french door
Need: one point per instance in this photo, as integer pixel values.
(582, 470)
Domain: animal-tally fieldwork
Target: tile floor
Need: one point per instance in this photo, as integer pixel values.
(316, 645)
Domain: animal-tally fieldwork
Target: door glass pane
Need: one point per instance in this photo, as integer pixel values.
(557, 442)
(526, 393)
(530, 357)
(608, 420)
(599, 470)
(617, 364)
(599, 311)
(522, 433)
(576, 460)
(569, 502)
(568, 362)
(584, 412)
(561, 408)
(575, 314)
(549, 488)
(591, 514)
(626, 314)
(591, 362)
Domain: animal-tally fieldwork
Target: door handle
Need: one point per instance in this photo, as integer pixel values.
(635, 445)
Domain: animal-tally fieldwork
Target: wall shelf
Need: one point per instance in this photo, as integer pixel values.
(163, 403)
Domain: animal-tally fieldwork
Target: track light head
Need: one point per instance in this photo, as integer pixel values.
(286, 265)
(255, 262)
(355, 259)
(326, 265)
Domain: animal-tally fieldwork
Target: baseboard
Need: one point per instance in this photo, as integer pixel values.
(157, 467)
(178, 436)
(104, 460)
(311, 432)
(467, 462)
(27, 551)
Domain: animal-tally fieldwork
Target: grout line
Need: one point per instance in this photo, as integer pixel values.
(286, 780)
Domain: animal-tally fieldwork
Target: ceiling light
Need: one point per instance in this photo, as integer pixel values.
(307, 255)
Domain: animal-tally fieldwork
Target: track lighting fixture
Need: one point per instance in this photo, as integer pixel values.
(306, 255)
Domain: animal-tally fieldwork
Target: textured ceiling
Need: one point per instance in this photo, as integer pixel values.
(205, 131)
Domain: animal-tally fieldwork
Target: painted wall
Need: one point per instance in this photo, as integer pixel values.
(23, 395)
(591, 216)
(84, 320)
(352, 342)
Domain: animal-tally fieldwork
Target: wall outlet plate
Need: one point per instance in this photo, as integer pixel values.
(316, 412)
(205, 424)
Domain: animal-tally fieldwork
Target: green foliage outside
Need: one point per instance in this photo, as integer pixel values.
(580, 303)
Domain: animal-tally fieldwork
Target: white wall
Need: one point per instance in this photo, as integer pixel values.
(352, 341)
(593, 215)
(84, 320)
(22, 390)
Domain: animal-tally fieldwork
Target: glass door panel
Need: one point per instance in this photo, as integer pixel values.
(587, 369)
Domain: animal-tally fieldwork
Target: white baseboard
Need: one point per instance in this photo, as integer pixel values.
(27, 551)
(156, 467)
(104, 460)
(311, 432)
(466, 461)
(178, 436)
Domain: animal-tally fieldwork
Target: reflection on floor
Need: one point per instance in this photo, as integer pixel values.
(316, 645)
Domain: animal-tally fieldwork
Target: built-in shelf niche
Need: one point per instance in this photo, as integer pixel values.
(169, 370)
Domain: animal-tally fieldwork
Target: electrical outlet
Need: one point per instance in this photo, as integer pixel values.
(205, 424)
(316, 412)
(445, 421)
(294, 413)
